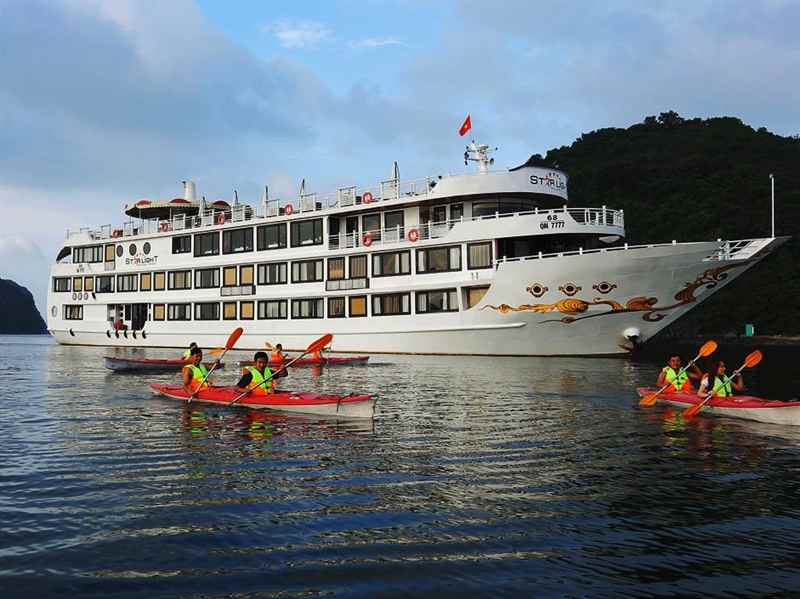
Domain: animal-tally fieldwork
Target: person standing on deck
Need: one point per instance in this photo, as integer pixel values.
(254, 376)
(678, 383)
(714, 382)
(194, 372)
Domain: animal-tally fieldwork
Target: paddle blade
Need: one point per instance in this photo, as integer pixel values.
(648, 400)
(216, 351)
(709, 347)
(320, 343)
(234, 338)
(268, 345)
(753, 358)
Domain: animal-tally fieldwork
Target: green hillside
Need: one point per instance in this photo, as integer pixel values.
(695, 180)
(18, 313)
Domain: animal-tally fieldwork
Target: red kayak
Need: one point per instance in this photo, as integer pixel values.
(747, 407)
(148, 364)
(340, 406)
(332, 361)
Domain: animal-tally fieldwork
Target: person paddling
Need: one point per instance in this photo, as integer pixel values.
(254, 376)
(679, 381)
(277, 356)
(188, 353)
(719, 387)
(195, 372)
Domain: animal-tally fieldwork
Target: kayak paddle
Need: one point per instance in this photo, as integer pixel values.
(318, 344)
(708, 348)
(751, 360)
(232, 339)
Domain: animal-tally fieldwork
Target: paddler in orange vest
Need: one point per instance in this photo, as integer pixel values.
(678, 382)
(253, 377)
(195, 372)
(719, 387)
(277, 356)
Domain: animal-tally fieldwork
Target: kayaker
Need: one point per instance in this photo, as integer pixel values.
(253, 376)
(278, 357)
(719, 387)
(188, 353)
(194, 372)
(679, 383)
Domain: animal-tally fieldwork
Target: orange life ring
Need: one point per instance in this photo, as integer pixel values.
(221, 218)
(412, 235)
(367, 240)
(116, 233)
(288, 209)
(164, 226)
(367, 197)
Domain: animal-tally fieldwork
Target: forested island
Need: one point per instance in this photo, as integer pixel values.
(18, 313)
(697, 180)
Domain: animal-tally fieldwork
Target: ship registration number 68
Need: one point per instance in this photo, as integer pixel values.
(552, 222)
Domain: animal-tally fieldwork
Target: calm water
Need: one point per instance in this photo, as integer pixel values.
(513, 477)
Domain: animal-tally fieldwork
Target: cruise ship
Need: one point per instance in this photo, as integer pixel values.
(489, 262)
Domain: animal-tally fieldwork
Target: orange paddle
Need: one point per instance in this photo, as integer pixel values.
(751, 360)
(708, 348)
(232, 339)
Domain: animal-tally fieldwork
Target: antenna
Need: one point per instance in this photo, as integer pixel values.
(479, 153)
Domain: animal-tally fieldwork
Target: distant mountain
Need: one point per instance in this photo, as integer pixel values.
(18, 313)
(695, 180)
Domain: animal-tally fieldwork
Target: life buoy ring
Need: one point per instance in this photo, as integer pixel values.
(367, 240)
(367, 197)
(288, 210)
(412, 235)
(221, 218)
(163, 227)
(116, 233)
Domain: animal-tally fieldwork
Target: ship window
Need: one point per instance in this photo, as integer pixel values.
(442, 259)
(335, 307)
(358, 305)
(179, 279)
(179, 311)
(206, 244)
(246, 274)
(92, 253)
(271, 309)
(159, 280)
(73, 312)
(272, 274)
(229, 310)
(479, 255)
(206, 311)
(358, 267)
(443, 300)
(393, 222)
(88, 283)
(145, 281)
(307, 271)
(182, 244)
(389, 304)
(120, 251)
(206, 278)
(127, 282)
(110, 253)
(146, 248)
(308, 308)
(61, 284)
(372, 225)
(246, 310)
(237, 241)
(229, 276)
(158, 311)
(307, 232)
(456, 211)
(132, 249)
(77, 283)
(335, 269)
(105, 284)
(271, 237)
(391, 263)
(475, 295)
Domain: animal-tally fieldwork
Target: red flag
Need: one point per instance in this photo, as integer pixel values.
(465, 127)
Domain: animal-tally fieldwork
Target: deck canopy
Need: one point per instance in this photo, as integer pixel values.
(163, 209)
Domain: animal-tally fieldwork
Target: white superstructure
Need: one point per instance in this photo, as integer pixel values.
(488, 263)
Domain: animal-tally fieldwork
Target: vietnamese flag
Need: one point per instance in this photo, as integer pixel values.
(465, 127)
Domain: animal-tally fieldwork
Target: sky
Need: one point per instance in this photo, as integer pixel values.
(103, 102)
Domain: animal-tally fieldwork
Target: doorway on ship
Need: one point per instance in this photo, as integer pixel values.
(351, 230)
(138, 317)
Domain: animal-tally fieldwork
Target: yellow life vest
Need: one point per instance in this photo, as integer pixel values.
(199, 374)
(678, 381)
(723, 390)
(255, 384)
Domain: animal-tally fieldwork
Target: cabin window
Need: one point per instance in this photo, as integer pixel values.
(308, 308)
(372, 225)
(307, 232)
(206, 278)
(391, 263)
(105, 284)
(307, 271)
(335, 307)
(145, 281)
(182, 244)
(272, 309)
(335, 269)
(229, 276)
(456, 211)
(127, 282)
(229, 310)
(73, 312)
(110, 252)
(236, 241)
(92, 253)
(77, 283)
(479, 255)
(389, 304)
(442, 259)
(179, 279)
(442, 300)
(272, 274)
(206, 244)
(179, 311)
(206, 311)
(246, 274)
(358, 305)
(393, 222)
(475, 295)
(159, 311)
(88, 283)
(246, 310)
(358, 267)
(271, 237)
(61, 284)
(159, 281)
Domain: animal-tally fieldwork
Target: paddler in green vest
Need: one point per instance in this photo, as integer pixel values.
(194, 372)
(719, 387)
(253, 376)
(188, 353)
(678, 382)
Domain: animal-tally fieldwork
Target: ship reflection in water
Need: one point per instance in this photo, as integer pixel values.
(527, 477)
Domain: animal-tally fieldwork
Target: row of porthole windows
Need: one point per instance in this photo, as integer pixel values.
(132, 249)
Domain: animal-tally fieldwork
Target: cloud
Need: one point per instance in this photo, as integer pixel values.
(299, 34)
(376, 42)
